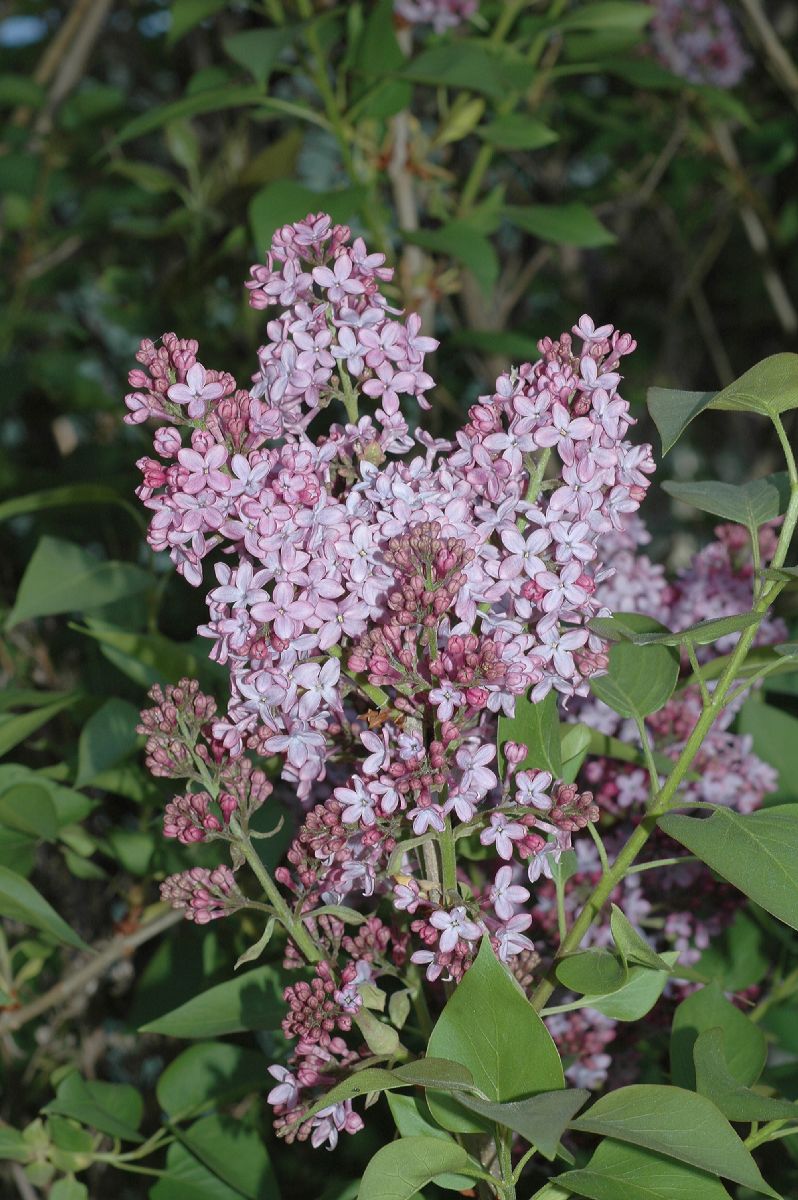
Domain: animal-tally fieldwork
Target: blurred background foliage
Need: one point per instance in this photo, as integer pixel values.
(535, 165)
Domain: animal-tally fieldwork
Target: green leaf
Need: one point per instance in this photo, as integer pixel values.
(413, 1119)
(188, 13)
(490, 1027)
(563, 224)
(284, 201)
(149, 658)
(112, 1108)
(538, 727)
(755, 851)
(401, 1169)
(715, 1080)
(17, 728)
(706, 1009)
(20, 89)
(27, 808)
(13, 1146)
(740, 957)
(751, 504)
(361, 1083)
(775, 736)
(250, 1001)
(209, 100)
(542, 1119)
(64, 497)
(574, 745)
(460, 241)
(637, 997)
(517, 131)
(593, 972)
(257, 948)
(257, 50)
(702, 633)
(630, 945)
(477, 66)
(617, 1171)
(20, 901)
(437, 1073)
(380, 1037)
(208, 1072)
(678, 1124)
(186, 1178)
(672, 411)
(639, 679)
(68, 1188)
(107, 738)
(234, 1153)
(424, 1072)
(769, 388)
(378, 51)
(608, 14)
(62, 577)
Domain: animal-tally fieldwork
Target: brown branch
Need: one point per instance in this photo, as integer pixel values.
(781, 66)
(118, 948)
(755, 230)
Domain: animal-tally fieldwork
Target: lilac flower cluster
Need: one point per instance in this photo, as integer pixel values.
(438, 581)
(440, 14)
(698, 40)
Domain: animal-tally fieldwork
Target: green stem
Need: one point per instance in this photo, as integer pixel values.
(653, 774)
(769, 1133)
(448, 858)
(599, 844)
(562, 922)
(294, 928)
(661, 799)
(505, 1165)
(694, 663)
(661, 862)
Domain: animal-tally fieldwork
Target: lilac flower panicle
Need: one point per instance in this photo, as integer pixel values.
(699, 40)
(446, 578)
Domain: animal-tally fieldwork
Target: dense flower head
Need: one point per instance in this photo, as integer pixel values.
(203, 895)
(699, 40)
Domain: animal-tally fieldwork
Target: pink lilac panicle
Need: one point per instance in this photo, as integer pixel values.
(699, 40)
(447, 575)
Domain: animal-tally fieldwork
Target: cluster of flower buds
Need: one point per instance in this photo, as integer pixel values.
(699, 40)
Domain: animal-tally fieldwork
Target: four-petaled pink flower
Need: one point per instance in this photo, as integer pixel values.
(288, 616)
(454, 925)
(196, 392)
(503, 833)
(505, 894)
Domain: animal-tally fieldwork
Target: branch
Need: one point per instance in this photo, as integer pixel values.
(781, 66)
(118, 948)
(755, 230)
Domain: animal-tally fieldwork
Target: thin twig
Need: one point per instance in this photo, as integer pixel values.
(24, 1186)
(755, 229)
(781, 66)
(72, 63)
(118, 948)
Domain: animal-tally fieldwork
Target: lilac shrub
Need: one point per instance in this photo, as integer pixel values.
(403, 620)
